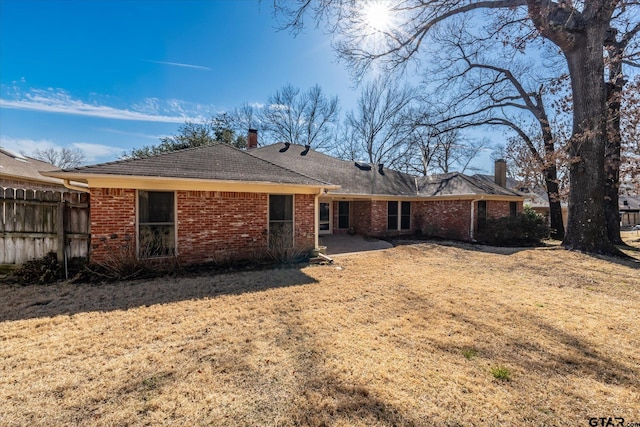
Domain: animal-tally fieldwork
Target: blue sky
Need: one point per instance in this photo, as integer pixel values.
(108, 76)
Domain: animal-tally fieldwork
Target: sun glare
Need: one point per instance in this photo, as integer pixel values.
(377, 15)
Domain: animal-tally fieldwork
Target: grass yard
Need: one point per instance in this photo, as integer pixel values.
(423, 334)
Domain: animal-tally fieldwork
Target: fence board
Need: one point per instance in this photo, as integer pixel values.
(35, 223)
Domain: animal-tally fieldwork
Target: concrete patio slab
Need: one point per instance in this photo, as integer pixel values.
(340, 244)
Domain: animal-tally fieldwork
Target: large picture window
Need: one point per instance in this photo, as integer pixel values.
(156, 224)
(280, 221)
(398, 215)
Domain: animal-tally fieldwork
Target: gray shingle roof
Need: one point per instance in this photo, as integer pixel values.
(633, 203)
(22, 167)
(212, 162)
(350, 178)
(458, 184)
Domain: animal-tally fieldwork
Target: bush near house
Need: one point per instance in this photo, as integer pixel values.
(46, 270)
(527, 228)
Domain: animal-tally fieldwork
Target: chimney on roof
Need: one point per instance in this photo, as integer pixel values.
(381, 168)
(252, 139)
(306, 150)
(500, 172)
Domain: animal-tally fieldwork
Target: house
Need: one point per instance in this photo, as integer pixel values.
(217, 202)
(537, 198)
(17, 171)
(629, 210)
(375, 201)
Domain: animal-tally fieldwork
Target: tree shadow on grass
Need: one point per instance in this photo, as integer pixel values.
(327, 397)
(633, 260)
(27, 302)
(563, 354)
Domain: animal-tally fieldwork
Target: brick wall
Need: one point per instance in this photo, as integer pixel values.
(113, 223)
(211, 225)
(304, 217)
(361, 217)
(378, 218)
(216, 226)
(443, 218)
(499, 209)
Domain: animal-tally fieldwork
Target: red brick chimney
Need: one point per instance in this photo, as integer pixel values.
(501, 172)
(252, 139)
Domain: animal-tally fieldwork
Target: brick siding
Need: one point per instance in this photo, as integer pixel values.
(113, 223)
(498, 209)
(361, 216)
(304, 217)
(212, 226)
(449, 219)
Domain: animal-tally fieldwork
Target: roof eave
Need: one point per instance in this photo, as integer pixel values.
(177, 183)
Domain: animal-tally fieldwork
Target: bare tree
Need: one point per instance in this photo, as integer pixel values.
(422, 151)
(495, 91)
(306, 118)
(577, 29)
(246, 117)
(64, 157)
(379, 129)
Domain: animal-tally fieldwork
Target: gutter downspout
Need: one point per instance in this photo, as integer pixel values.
(316, 216)
(473, 217)
(67, 184)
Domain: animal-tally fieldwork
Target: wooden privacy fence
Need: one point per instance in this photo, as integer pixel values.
(34, 223)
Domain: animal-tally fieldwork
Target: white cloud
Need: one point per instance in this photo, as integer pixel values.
(178, 64)
(59, 101)
(98, 152)
(279, 107)
(93, 153)
(136, 134)
(25, 146)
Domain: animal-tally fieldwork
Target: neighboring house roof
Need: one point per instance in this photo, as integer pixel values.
(211, 162)
(632, 203)
(458, 184)
(535, 197)
(22, 168)
(353, 180)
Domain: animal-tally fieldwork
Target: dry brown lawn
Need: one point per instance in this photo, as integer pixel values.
(407, 336)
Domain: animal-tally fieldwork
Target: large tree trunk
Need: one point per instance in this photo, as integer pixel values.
(555, 207)
(586, 229)
(550, 172)
(614, 141)
(581, 36)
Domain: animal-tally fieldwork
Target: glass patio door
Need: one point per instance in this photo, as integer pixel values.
(324, 227)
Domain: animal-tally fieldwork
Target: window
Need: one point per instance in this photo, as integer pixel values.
(343, 215)
(280, 221)
(324, 217)
(482, 214)
(395, 218)
(392, 215)
(156, 224)
(513, 209)
(405, 216)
